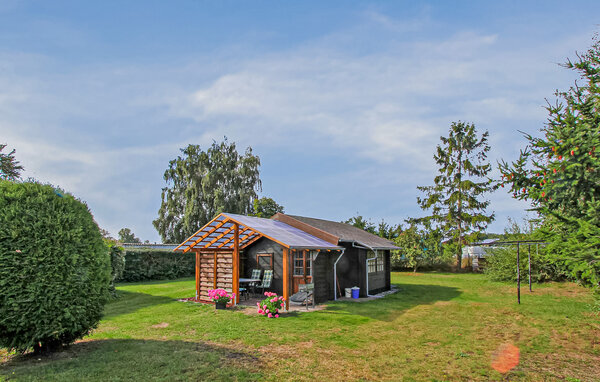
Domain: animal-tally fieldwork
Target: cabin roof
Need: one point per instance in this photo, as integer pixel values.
(346, 232)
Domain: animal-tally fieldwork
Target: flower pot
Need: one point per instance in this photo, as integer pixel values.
(220, 305)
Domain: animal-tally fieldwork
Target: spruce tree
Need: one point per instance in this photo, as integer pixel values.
(456, 199)
(559, 172)
(10, 169)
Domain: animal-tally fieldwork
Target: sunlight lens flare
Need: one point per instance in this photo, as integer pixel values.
(505, 358)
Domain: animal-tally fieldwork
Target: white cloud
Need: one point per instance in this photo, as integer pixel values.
(106, 133)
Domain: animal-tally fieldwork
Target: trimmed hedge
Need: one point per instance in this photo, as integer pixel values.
(117, 264)
(151, 264)
(54, 268)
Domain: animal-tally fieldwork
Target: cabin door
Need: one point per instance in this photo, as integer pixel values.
(302, 269)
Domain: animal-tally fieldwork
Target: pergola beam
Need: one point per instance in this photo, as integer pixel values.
(232, 237)
(218, 237)
(204, 236)
(251, 241)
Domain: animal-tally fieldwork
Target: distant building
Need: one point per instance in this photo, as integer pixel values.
(165, 247)
(476, 254)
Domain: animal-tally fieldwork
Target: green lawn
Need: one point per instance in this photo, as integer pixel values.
(438, 327)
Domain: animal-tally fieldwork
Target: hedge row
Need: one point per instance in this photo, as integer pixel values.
(151, 264)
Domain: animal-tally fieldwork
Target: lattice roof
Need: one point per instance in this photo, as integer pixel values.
(218, 234)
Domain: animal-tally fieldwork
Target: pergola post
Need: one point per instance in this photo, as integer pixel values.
(286, 278)
(304, 253)
(236, 262)
(197, 274)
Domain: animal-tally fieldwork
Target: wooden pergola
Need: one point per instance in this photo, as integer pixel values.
(217, 246)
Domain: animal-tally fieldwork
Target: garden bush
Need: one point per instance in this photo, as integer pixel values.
(151, 264)
(54, 268)
(501, 265)
(117, 264)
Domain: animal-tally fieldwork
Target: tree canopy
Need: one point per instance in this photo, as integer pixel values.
(201, 184)
(9, 166)
(265, 207)
(456, 199)
(559, 172)
(383, 229)
(127, 236)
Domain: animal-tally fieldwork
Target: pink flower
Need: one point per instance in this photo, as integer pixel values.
(258, 304)
(277, 316)
(270, 315)
(260, 311)
(267, 310)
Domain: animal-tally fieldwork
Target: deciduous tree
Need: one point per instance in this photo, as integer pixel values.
(127, 236)
(201, 184)
(265, 207)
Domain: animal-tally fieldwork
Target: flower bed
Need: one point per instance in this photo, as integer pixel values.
(271, 305)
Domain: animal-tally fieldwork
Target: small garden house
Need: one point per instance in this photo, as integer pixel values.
(331, 255)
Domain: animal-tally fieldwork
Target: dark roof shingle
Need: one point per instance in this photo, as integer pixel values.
(347, 232)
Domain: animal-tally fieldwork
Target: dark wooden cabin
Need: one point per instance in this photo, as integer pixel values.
(298, 249)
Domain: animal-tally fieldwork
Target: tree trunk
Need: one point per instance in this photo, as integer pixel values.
(459, 246)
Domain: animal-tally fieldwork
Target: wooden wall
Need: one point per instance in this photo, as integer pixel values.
(264, 245)
(207, 274)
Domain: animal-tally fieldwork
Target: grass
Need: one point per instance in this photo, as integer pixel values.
(438, 327)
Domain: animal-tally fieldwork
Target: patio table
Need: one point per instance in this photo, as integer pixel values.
(244, 280)
(249, 281)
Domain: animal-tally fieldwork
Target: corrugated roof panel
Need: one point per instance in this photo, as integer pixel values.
(250, 227)
(282, 232)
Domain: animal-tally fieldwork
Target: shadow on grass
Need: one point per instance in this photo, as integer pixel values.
(129, 302)
(128, 359)
(391, 306)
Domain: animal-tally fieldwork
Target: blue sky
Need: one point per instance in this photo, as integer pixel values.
(344, 101)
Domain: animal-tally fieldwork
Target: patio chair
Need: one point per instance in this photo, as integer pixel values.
(304, 296)
(266, 281)
(243, 293)
(255, 275)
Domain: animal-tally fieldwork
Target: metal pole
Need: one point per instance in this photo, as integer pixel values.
(518, 275)
(529, 256)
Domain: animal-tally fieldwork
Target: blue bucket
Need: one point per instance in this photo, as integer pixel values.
(355, 292)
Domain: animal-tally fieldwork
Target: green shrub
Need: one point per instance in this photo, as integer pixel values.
(501, 265)
(151, 264)
(54, 268)
(117, 264)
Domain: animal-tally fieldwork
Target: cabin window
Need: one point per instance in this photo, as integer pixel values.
(264, 260)
(378, 262)
(302, 258)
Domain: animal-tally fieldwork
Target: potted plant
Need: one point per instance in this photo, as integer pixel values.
(271, 305)
(220, 297)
